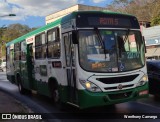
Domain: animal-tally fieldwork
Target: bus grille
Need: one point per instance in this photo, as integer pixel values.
(115, 80)
(113, 88)
(120, 95)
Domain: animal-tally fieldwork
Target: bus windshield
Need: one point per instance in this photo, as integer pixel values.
(114, 51)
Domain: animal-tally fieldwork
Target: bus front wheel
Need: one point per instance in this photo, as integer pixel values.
(56, 99)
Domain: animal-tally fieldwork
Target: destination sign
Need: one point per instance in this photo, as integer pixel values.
(105, 20)
(109, 21)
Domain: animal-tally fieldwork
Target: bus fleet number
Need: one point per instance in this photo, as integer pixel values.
(132, 55)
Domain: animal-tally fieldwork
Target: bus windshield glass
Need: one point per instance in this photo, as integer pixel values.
(114, 51)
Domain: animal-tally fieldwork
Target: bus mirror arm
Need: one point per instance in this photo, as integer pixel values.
(74, 37)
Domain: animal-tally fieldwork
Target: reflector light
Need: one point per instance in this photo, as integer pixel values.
(143, 92)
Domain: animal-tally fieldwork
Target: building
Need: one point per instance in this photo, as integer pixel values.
(152, 41)
(79, 7)
(145, 24)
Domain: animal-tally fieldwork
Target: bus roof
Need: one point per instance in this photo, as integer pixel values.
(61, 20)
(104, 12)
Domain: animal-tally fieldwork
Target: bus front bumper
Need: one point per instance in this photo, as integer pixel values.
(89, 99)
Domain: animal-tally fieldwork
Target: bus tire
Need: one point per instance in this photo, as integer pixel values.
(20, 86)
(57, 101)
(53, 85)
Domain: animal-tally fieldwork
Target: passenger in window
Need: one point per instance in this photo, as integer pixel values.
(57, 53)
(92, 50)
(120, 45)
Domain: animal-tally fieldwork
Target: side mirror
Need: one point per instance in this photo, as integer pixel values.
(144, 44)
(74, 37)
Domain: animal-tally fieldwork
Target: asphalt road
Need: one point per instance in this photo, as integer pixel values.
(40, 104)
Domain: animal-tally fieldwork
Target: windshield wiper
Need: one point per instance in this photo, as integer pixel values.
(100, 40)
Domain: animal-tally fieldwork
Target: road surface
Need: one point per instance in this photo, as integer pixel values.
(133, 111)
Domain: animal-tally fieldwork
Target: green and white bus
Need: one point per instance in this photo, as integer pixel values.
(86, 58)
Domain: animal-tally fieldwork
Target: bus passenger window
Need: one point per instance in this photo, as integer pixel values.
(17, 53)
(53, 43)
(23, 51)
(40, 46)
(43, 51)
(38, 52)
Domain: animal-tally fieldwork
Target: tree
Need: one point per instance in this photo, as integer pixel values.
(2, 29)
(155, 20)
(21, 29)
(119, 5)
(12, 32)
(144, 10)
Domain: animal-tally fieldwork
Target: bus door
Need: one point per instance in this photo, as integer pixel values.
(30, 67)
(70, 66)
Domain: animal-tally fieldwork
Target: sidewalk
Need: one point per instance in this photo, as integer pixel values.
(10, 105)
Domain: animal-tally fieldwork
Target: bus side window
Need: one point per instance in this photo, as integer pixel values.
(23, 51)
(40, 46)
(17, 52)
(53, 43)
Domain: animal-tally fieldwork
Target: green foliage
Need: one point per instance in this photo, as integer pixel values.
(10, 33)
(144, 10)
(155, 21)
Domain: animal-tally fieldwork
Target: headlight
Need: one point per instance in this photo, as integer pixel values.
(90, 86)
(143, 80)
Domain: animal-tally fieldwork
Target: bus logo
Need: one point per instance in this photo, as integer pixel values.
(120, 86)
